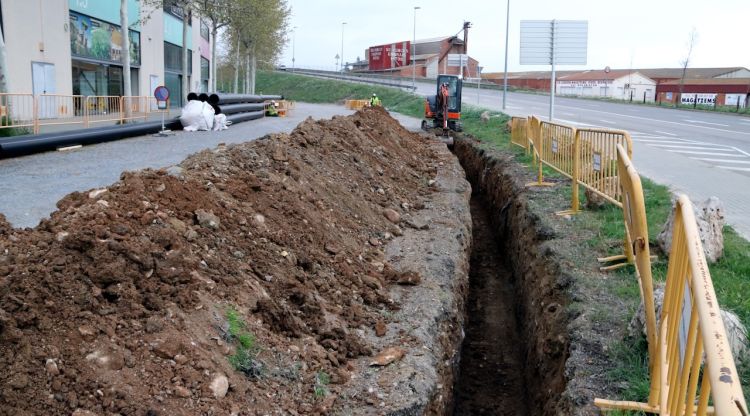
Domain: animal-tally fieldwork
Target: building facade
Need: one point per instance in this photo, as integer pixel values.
(73, 47)
(616, 84)
(724, 91)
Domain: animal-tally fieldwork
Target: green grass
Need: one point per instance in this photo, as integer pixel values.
(245, 357)
(730, 274)
(322, 380)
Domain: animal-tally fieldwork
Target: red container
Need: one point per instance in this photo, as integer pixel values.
(389, 56)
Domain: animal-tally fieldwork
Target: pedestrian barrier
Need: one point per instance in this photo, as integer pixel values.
(17, 111)
(357, 104)
(57, 110)
(535, 139)
(595, 164)
(518, 132)
(103, 108)
(690, 360)
(284, 107)
(557, 147)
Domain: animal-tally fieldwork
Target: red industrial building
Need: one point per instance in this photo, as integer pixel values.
(528, 80)
(441, 55)
(710, 92)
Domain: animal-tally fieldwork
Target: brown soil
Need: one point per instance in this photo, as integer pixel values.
(118, 303)
(491, 378)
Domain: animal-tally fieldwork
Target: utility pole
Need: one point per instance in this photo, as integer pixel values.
(413, 52)
(552, 76)
(505, 75)
(294, 38)
(342, 46)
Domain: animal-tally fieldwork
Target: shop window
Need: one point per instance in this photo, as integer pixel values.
(95, 39)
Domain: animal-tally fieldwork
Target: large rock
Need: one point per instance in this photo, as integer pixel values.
(709, 215)
(736, 332)
(595, 201)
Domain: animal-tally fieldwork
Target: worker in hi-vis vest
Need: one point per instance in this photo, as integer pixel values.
(374, 100)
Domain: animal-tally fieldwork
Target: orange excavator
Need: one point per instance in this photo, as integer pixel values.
(444, 109)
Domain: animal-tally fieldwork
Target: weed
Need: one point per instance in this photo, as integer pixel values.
(322, 380)
(245, 357)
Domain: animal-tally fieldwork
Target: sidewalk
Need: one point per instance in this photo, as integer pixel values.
(31, 186)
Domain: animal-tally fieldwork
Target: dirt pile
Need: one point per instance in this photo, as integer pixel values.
(240, 282)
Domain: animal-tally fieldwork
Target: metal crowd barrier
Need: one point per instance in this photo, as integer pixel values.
(356, 104)
(33, 112)
(691, 360)
(535, 141)
(18, 111)
(598, 161)
(557, 147)
(519, 133)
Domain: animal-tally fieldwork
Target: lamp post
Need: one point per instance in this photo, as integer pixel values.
(294, 38)
(342, 46)
(413, 52)
(505, 75)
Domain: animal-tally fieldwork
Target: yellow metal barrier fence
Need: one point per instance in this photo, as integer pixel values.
(18, 111)
(557, 147)
(57, 110)
(535, 140)
(356, 104)
(518, 132)
(104, 108)
(598, 161)
(690, 357)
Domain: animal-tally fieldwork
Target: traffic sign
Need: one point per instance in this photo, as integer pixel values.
(161, 93)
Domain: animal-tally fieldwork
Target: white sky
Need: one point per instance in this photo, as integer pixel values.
(650, 33)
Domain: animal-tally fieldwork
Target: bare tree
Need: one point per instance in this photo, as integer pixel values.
(125, 57)
(692, 40)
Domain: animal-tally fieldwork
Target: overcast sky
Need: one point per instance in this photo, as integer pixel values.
(646, 33)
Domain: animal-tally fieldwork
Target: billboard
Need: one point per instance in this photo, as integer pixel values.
(389, 56)
(570, 39)
(97, 39)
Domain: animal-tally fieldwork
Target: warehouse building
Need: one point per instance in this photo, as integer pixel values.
(441, 55)
(616, 84)
(73, 47)
(527, 80)
(706, 92)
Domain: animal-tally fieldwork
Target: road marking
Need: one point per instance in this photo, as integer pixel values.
(706, 122)
(665, 121)
(607, 121)
(573, 122)
(664, 132)
(703, 153)
(663, 141)
(683, 146)
(720, 160)
(734, 168)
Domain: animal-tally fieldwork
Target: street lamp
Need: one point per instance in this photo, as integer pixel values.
(413, 51)
(505, 75)
(294, 38)
(342, 46)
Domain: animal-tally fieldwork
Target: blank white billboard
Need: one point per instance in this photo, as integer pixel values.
(570, 42)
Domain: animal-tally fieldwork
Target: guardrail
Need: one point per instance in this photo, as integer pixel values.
(34, 112)
(398, 83)
(690, 360)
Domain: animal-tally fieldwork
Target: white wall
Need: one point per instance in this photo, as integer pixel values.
(639, 85)
(152, 49)
(37, 31)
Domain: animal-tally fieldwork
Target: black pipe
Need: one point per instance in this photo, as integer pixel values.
(242, 108)
(26, 145)
(239, 118)
(246, 98)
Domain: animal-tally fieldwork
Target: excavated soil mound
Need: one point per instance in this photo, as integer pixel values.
(120, 302)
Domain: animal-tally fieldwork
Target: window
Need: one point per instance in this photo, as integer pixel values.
(95, 39)
(172, 7)
(173, 58)
(205, 69)
(204, 30)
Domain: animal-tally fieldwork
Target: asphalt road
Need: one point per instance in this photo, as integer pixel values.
(702, 154)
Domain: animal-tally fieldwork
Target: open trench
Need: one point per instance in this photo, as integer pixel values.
(513, 356)
(491, 374)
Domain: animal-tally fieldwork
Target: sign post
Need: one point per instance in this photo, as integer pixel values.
(161, 93)
(554, 42)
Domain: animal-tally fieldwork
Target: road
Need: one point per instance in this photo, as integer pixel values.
(698, 153)
(30, 186)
